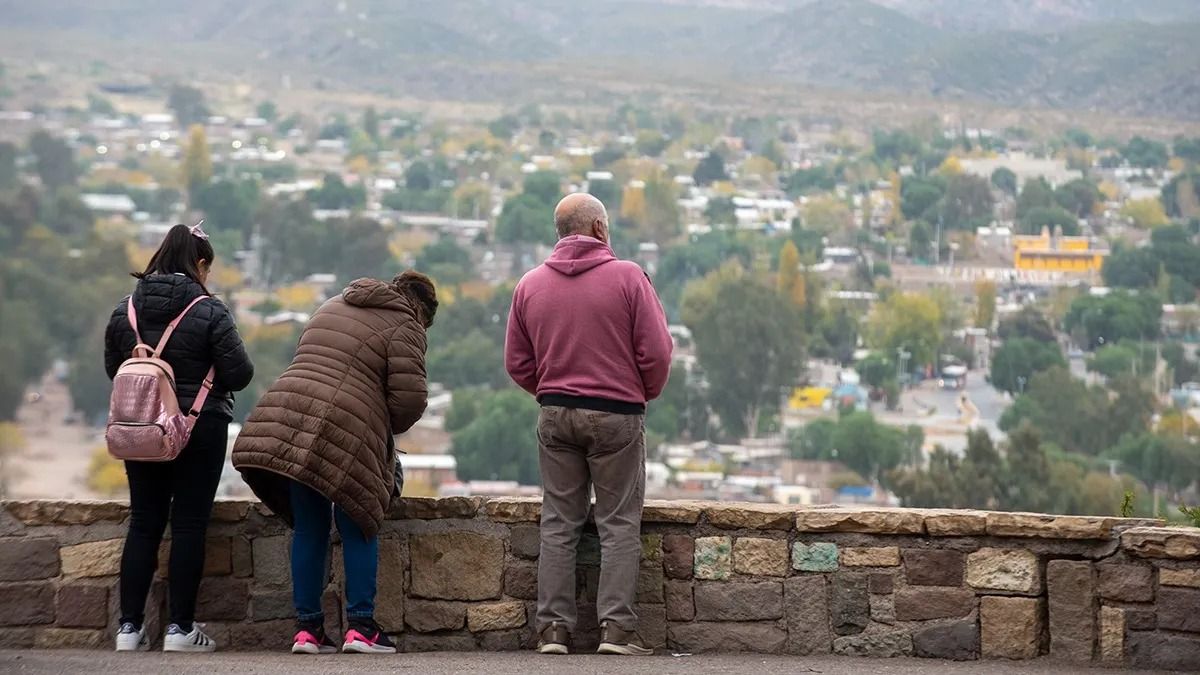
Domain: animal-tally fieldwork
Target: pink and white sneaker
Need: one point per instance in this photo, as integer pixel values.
(312, 640)
(365, 637)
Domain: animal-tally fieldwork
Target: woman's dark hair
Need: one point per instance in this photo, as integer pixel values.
(420, 288)
(180, 253)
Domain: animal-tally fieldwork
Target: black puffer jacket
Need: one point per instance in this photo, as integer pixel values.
(207, 336)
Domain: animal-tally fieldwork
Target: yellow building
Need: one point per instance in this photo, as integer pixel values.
(1056, 253)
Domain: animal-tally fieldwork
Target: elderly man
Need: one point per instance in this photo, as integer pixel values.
(588, 337)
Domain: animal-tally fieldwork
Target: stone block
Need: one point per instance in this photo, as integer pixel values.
(1140, 619)
(424, 508)
(71, 638)
(218, 556)
(678, 556)
(1179, 609)
(1112, 635)
(881, 583)
(652, 551)
(82, 606)
(92, 559)
(652, 625)
(270, 605)
(955, 523)
(1163, 651)
(662, 511)
(458, 642)
(884, 556)
(222, 599)
(883, 609)
(241, 557)
(1040, 525)
(17, 638)
(501, 640)
(817, 557)
(588, 554)
(933, 568)
(922, 603)
(759, 557)
(875, 645)
(520, 581)
(26, 604)
(28, 559)
(1011, 628)
(751, 517)
(1189, 578)
(525, 541)
(230, 510)
(700, 637)
(456, 566)
(1071, 589)
(272, 561)
(1128, 583)
(259, 636)
(73, 512)
(867, 521)
(957, 641)
(495, 616)
(1177, 543)
(389, 598)
(427, 617)
(514, 509)
(650, 586)
(1001, 569)
(849, 603)
(680, 603)
(738, 601)
(713, 558)
(806, 609)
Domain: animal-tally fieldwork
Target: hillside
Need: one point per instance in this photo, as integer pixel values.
(1095, 58)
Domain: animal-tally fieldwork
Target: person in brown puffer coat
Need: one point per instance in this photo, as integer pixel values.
(319, 442)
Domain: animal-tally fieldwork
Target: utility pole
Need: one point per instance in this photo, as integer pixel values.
(937, 244)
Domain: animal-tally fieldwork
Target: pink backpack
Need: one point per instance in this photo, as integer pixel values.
(144, 420)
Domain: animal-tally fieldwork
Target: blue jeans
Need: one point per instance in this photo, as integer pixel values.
(310, 551)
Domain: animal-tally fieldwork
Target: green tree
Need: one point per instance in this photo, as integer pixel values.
(608, 192)
(967, 203)
(545, 186)
(710, 169)
(1142, 152)
(1117, 316)
(920, 240)
(1079, 196)
(445, 261)
(1015, 362)
(1036, 193)
(188, 105)
(527, 219)
(370, 123)
(720, 212)
(1136, 268)
(651, 143)
(228, 205)
(267, 110)
(1115, 360)
(748, 340)
(335, 194)
(859, 441)
(54, 160)
(1049, 218)
(1027, 323)
(87, 381)
(919, 196)
(985, 304)
(471, 360)
(9, 175)
(1005, 180)
(501, 442)
(662, 209)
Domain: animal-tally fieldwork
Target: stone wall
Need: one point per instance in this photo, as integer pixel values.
(461, 574)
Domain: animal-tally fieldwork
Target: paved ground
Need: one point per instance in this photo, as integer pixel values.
(23, 662)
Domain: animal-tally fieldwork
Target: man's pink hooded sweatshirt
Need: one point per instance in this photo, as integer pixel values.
(587, 330)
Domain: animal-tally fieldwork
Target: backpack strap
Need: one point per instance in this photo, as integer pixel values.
(140, 349)
(198, 404)
(162, 343)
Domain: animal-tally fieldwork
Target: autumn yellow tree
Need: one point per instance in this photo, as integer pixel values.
(790, 282)
(197, 168)
(1145, 213)
(985, 304)
(908, 321)
(633, 202)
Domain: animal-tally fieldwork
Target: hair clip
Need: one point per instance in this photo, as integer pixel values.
(197, 231)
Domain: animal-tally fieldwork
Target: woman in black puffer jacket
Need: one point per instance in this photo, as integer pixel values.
(181, 490)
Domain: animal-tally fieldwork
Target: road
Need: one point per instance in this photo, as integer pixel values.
(938, 411)
(516, 663)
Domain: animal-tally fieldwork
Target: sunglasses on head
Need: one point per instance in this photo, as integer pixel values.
(198, 232)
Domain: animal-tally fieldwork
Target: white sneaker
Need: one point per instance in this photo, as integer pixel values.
(195, 641)
(130, 638)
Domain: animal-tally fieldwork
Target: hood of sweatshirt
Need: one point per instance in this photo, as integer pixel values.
(579, 253)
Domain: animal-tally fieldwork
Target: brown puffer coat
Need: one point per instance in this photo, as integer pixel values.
(358, 376)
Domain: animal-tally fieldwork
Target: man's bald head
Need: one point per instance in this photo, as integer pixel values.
(581, 213)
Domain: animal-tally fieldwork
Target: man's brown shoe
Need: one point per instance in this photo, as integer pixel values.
(553, 639)
(616, 640)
